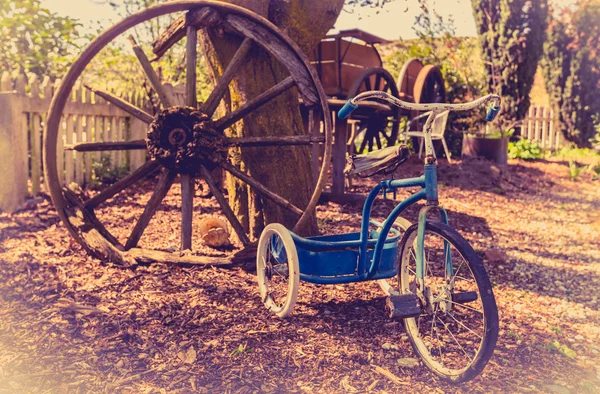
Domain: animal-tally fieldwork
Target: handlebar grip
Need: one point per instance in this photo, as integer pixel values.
(492, 112)
(347, 109)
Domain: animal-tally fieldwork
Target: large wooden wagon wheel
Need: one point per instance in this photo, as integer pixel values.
(429, 86)
(377, 128)
(188, 141)
(407, 78)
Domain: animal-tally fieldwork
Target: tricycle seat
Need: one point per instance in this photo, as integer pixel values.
(381, 161)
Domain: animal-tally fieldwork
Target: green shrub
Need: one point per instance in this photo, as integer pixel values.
(524, 149)
(574, 170)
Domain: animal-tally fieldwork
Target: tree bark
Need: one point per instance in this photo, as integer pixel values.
(284, 170)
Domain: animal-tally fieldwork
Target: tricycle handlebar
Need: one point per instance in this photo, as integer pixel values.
(352, 104)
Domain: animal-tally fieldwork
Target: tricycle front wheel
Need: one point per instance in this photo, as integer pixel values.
(277, 269)
(456, 332)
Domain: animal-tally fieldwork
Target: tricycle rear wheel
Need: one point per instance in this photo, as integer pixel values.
(456, 333)
(277, 269)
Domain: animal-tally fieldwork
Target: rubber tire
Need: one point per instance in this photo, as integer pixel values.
(385, 285)
(293, 269)
(484, 285)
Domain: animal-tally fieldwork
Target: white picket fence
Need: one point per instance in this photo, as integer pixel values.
(539, 126)
(87, 118)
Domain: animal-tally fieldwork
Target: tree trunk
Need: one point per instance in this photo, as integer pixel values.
(284, 170)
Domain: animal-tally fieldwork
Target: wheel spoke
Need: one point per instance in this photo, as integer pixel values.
(211, 104)
(162, 188)
(124, 105)
(150, 74)
(147, 168)
(378, 140)
(105, 146)
(275, 141)
(456, 272)
(455, 340)
(368, 84)
(187, 208)
(227, 211)
(255, 103)
(282, 202)
(465, 306)
(191, 56)
(474, 333)
(363, 144)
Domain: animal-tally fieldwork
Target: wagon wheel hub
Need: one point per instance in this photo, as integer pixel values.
(183, 138)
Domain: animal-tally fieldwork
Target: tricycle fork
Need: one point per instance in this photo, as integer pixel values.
(421, 261)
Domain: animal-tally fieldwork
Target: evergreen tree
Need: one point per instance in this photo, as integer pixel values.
(512, 34)
(571, 69)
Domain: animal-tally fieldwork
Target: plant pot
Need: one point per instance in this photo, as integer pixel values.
(494, 149)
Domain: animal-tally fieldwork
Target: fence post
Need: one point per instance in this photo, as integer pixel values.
(13, 151)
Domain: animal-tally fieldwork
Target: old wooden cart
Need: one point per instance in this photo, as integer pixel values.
(349, 63)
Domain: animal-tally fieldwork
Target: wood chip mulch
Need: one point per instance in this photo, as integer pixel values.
(71, 324)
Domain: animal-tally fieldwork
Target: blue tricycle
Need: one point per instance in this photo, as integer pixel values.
(440, 290)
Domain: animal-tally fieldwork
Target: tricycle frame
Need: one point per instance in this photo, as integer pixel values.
(371, 245)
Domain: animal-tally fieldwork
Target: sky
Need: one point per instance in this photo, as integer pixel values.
(393, 21)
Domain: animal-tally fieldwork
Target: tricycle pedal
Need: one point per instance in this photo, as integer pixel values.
(464, 296)
(403, 306)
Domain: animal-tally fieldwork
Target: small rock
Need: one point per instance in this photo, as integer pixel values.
(408, 362)
(495, 255)
(389, 346)
(327, 312)
(404, 338)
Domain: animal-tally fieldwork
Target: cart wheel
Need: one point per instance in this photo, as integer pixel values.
(456, 332)
(429, 86)
(377, 130)
(185, 142)
(277, 269)
(387, 285)
(407, 78)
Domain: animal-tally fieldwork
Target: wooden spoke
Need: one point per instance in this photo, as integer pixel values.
(368, 84)
(363, 144)
(89, 217)
(162, 188)
(150, 74)
(191, 55)
(217, 94)
(275, 141)
(255, 103)
(227, 211)
(282, 202)
(124, 105)
(104, 146)
(122, 184)
(187, 210)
